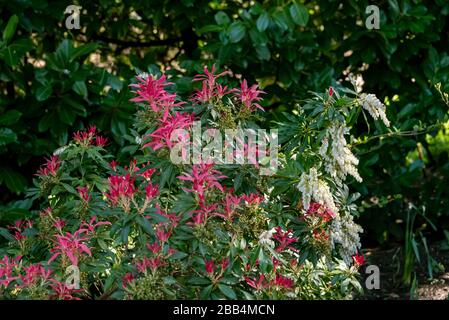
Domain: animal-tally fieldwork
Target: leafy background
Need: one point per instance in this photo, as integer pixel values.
(54, 81)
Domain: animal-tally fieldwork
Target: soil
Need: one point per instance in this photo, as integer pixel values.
(391, 286)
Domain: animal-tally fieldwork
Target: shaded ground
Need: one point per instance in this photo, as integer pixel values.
(391, 288)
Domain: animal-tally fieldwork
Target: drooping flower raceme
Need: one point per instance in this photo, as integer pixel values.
(313, 188)
(344, 236)
(338, 158)
(266, 238)
(344, 232)
(375, 108)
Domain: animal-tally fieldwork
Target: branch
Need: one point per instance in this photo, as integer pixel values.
(137, 44)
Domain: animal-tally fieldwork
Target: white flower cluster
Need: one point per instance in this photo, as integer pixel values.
(265, 238)
(340, 161)
(357, 81)
(314, 188)
(60, 150)
(345, 232)
(375, 108)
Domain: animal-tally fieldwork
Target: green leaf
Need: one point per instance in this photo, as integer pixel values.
(299, 14)
(262, 22)
(76, 107)
(158, 218)
(236, 31)
(205, 293)
(44, 92)
(82, 50)
(198, 281)
(7, 136)
(80, 88)
(169, 280)
(394, 6)
(21, 46)
(238, 182)
(10, 28)
(10, 117)
(125, 233)
(178, 255)
(5, 234)
(54, 62)
(210, 28)
(69, 188)
(14, 181)
(102, 244)
(263, 53)
(9, 215)
(145, 224)
(46, 121)
(64, 49)
(222, 18)
(10, 57)
(109, 282)
(15, 51)
(407, 110)
(281, 19)
(167, 175)
(415, 249)
(258, 38)
(371, 160)
(114, 82)
(185, 202)
(67, 114)
(227, 291)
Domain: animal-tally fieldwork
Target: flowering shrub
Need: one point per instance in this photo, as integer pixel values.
(152, 229)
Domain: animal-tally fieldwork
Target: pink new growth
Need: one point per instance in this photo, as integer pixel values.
(83, 193)
(152, 91)
(50, 167)
(203, 178)
(258, 284)
(284, 238)
(33, 273)
(92, 224)
(249, 95)
(162, 136)
(120, 187)
(7, 267)
(230, 204)
(71, 246)
(209, 88)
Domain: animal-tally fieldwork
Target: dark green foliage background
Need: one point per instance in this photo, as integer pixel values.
(289, 47)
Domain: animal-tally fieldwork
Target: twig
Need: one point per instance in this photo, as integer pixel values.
(137, 44)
